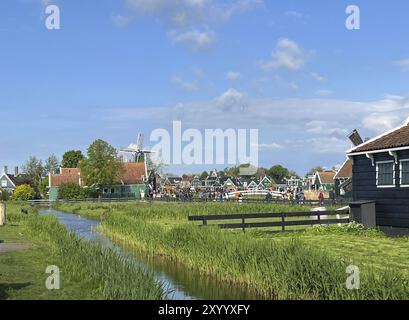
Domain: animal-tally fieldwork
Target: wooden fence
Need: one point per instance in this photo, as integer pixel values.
(326, 202)
(315, 218)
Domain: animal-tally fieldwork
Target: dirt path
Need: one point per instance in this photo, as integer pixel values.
(7, 247)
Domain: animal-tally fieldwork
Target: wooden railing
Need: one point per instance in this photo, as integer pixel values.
(316, 218)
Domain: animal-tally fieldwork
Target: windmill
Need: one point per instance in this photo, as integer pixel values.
(355, 138)
(137, 151)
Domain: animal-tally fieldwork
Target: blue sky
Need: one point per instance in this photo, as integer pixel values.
(116, 67)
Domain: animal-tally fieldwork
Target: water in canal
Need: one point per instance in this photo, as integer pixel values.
(184, 283)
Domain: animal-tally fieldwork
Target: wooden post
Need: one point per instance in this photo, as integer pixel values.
(283, 221)
(204, 222)
(2, 214)
(243, 221)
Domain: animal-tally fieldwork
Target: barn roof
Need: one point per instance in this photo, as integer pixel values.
(326, 177)
(395, 138)
(56, 180)
(134, 172)
(345, 171)
(66, 175)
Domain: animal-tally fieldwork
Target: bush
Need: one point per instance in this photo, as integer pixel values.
(24, 193)
(71, 191)
(4, 195)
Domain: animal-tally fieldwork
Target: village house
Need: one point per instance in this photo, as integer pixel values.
(293, 182)
(343, 180)
(250, 183)
(132, 182)
(324, 180)
(196, 183)
(265, 183)
(171, 183)
(9, 182)
(380, 170)
(230, 184)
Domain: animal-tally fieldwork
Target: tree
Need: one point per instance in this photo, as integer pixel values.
(52, 165)
(71, 191)
(102, 166)
(204, 175)
(292, 173)
(34, 169)
(314, 170)
(71, 159)
(278, 173)
(24, 193)
(4, 195)
(155, 164)
(42, 187)
(261, 172)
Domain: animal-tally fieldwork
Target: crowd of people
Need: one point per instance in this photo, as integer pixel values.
(293, 194)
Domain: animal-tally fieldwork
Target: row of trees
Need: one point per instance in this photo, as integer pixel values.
(101, 166)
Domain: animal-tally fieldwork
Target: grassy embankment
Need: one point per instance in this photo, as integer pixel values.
(87, 271)
(307, 265)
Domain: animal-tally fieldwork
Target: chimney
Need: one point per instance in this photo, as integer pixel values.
(15, 171)
(5, 170)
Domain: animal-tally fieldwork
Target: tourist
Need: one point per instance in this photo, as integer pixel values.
(302, 197)
(332, 196)
(321, 198)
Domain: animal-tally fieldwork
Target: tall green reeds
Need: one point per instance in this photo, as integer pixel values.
(104, 271)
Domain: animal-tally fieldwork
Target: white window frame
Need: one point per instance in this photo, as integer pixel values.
(3, 183)
(400, 173)
(394, 174)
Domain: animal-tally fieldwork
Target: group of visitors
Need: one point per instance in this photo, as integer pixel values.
(293, 194)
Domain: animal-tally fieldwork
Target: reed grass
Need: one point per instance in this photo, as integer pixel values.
(104, 271)
(285, 268)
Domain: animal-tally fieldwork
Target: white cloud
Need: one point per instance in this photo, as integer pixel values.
(239, 7)
(231, 75)
(120, 20)
(198, 40)
(270, 146)
(185, 17)
(232, 100)
(287, 55)
(403, 64)
(327, 128)
(188, 86)
(324, 93)
(318, 77)
(294, 14)
(379, 122)
(301, 125)
(182, 12)
(294, 86)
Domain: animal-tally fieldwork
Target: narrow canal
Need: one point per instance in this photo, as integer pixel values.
(183, 283)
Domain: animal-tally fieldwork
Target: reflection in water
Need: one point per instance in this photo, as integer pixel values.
(192, 282)
(184, 283)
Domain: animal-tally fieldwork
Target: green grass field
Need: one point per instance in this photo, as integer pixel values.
(87, 270)
(304, 265)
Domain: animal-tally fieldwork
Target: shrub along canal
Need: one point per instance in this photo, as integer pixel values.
(183, 283)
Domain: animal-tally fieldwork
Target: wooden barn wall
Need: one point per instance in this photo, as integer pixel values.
(392, 207)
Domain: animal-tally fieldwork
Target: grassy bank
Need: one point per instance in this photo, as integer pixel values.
(290, 266)
(87, 270)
